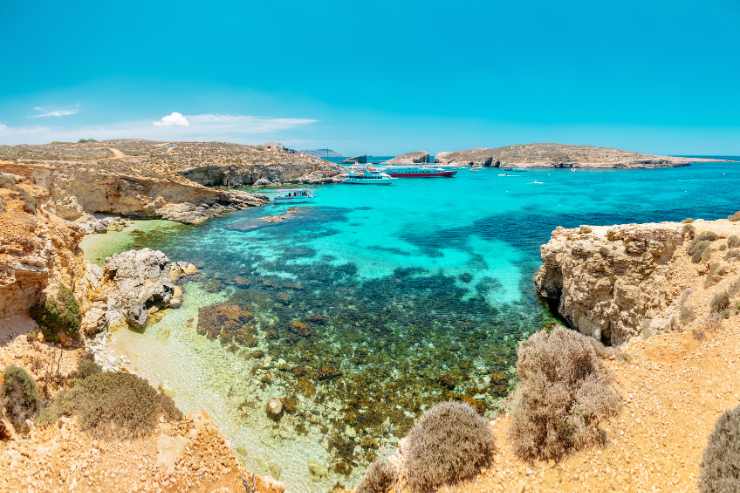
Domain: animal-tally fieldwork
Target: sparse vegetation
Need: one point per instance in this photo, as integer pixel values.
(379, 477)
(86, 141)
(58, 316)
(114, 403)
(20, 397)
(699, 249)
(450, 443)
(720, 467)
(719, 304)
(733, 241)
(715, 273)
(564, 392)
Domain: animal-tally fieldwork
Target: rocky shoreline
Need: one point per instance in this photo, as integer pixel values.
(618, 284)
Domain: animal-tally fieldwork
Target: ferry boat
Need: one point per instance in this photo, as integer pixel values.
(292, 196)
(420, 172)
(367, 176)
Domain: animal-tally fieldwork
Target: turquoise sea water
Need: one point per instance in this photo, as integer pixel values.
(372, 303)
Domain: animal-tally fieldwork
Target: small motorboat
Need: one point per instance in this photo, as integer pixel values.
(292, 196)
(419, 172)
(367, 176)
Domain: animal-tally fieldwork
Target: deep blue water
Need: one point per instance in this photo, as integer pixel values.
(383, 300)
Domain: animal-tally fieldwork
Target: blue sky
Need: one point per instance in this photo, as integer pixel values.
(375, 76)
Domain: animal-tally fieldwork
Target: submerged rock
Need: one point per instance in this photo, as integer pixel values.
(274, 408)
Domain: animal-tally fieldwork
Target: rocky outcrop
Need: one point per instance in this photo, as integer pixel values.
(39, 251)
(130, 287)
(170, 180)
(356, 160)
(616, 282)
(558, 156)
(418, 157)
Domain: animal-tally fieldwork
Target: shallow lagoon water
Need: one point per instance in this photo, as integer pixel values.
(372, 303)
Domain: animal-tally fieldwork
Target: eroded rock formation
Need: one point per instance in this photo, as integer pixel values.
(615, 282)
(39, 252)
(130, 287)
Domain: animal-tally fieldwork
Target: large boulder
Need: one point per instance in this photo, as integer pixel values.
(132, 285)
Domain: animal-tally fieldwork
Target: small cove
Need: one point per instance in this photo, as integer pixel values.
(373, 303)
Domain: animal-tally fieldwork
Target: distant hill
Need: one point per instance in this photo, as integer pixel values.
(322, 153)
(558, 156)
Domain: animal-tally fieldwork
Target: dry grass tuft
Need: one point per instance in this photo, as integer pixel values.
(699, 249)
(720, 467)
(20, 397)
(563, 394)
(450, 443)
(379, 477)
(112, 403)
(719, 304)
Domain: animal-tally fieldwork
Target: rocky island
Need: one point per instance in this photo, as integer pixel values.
(558, 156)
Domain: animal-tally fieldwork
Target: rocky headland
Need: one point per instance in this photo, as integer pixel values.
(417, 157)
(558, 156)
(617, 282)
(183, 181)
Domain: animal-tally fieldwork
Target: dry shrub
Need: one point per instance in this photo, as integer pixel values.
(720, 467)
(115, 403)
(20, 397)
(688, 220)
(699, 250)
(450, 443)
(707, 235)
(733, 241)
(732, 255)
(734, 217)
(719, 304)
(379, 477)
(715, 274)
(689, 231)
(564, 392)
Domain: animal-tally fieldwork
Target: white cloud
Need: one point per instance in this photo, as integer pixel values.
(174, 119)
(175, 126)
(48, 112)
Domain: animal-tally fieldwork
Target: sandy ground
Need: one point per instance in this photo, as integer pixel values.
(675, 386)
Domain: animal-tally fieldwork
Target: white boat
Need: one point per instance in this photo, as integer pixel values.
(292, 196)
(367, 176)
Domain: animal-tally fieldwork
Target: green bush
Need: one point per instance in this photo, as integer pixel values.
(379, 477)
(720, 467)
(58, 316)
(564, 392)
(20, 397)
(114, 403)
(450, 443)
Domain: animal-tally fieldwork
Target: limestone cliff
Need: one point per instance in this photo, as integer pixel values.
(38, 250)
(557, 156)
(615, 282)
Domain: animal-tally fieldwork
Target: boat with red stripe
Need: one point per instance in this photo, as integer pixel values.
(419, 172)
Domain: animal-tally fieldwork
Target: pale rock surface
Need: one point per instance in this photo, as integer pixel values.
(616, 282)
